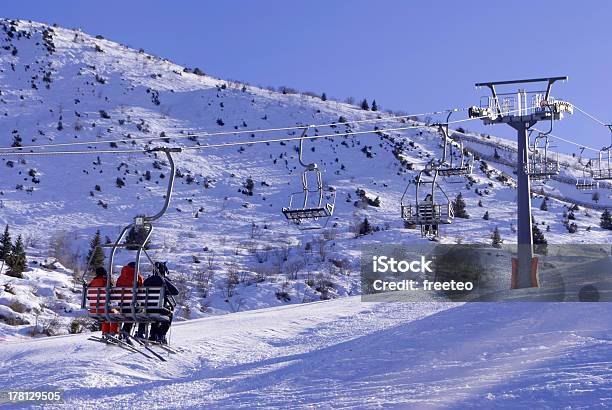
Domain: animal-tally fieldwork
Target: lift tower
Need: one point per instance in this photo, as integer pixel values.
(521, 110)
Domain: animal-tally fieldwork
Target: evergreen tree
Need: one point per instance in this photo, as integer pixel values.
(96, 253)
(606, 220)
(459, 207)
(323, 97)
(365, 227)
(374, 106)
(486, 216)
(539, 241)
(496, 154)
(5, 244)
(544, 206)
(496, 239)
(17, 261)
(364, 105)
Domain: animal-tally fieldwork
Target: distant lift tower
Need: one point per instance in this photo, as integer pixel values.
(522, 110)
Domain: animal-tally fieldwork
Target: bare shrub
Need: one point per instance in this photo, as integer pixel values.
(330, 234)
(62, 249)
(18, 307)
(231, 281)
(204, 280)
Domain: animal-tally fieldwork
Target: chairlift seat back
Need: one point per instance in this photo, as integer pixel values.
(147, 303)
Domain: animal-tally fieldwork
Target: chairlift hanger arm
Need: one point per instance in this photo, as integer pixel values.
(168, 152)
(309, 167)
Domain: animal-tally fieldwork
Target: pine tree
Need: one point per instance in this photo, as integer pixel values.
(323, 97)
(17, 261)
(374, 106)
(365, 227)
(5, 244)
(539, 241)
(606, 220)
(459, 207)
(496, 240)
(364, 105)
(96, 253)
(486, 216)
(544, 206)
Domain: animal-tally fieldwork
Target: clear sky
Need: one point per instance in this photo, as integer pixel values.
(409, 55)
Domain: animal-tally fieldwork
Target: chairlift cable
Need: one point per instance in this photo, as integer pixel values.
(222, 133)
(228, 144)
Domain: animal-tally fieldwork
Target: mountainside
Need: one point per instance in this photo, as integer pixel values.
(228, 245)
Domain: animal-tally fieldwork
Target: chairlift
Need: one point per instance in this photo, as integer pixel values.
(316, 205)
(603, 170)
(539, 165)
(427, 212)
(133, 304)
(587, 182)
(448, 164)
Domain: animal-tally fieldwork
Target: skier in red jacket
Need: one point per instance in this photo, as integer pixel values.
(126, 280)
(99, 281)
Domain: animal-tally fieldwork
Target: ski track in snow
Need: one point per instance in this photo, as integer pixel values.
(343, 354)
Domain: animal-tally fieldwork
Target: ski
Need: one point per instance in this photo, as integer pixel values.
(160, 357)
(114, 341)
(111, 342)
(154, 343)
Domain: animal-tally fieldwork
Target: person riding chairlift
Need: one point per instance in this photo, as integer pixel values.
(99, 281)
(126, 280)
(159, 279)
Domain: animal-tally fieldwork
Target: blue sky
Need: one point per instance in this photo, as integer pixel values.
(413, 56)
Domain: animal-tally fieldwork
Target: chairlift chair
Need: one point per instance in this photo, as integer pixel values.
(602, 170)
(587, 182)
(316, 204)
(448, 165)
(427, 212)
(540, 166)
(131, 304)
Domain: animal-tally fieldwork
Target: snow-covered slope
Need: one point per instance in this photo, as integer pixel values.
(342, 354)
(60, 86)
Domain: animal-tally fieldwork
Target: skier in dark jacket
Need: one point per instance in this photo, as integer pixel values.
(159, 278)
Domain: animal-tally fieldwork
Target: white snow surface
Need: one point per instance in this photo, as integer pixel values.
(342, 354)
